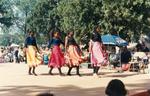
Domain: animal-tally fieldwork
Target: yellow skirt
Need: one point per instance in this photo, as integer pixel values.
(32, 57)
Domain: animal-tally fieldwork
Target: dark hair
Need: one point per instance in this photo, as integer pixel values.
(69, 31)
(45, 94)
(53, 31)
(116, 88)
(113, 31)
(95, 36)
(95, 28)
(30, 31)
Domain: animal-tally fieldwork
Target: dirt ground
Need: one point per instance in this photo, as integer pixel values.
(15, 81)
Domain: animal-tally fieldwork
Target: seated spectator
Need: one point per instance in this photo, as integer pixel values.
(46, 56)
(114, 58)
(145, 63)
(45, 94)
(125, 58)
(145, 49)
(116, 88)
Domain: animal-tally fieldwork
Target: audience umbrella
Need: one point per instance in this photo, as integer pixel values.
(113, 40)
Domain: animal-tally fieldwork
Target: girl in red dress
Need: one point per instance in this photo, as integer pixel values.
(57, 57)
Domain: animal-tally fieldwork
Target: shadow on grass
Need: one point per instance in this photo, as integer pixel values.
(104, 74)
(57, 91)
(67, 90)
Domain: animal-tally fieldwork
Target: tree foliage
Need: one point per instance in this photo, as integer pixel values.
(79, 15)
(6, 16)
(127, 18)
(43, 16)
(24, 10)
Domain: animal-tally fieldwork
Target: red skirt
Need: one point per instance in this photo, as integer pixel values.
(57, 57)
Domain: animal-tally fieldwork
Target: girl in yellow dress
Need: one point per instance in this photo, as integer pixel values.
(31, 53)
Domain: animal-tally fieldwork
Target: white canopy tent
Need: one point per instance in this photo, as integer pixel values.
(14, 45)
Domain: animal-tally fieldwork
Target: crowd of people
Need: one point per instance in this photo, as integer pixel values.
(68, 52)
(12, 54)
(139, 54)
(73, 56)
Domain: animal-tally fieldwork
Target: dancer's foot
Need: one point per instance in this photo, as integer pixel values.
(79, 75)
(50, 73)
(95, 75)
(30, 73)
(68, 74)
(34, 74)
(62, 74)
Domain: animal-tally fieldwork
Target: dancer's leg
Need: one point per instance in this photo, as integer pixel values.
(34, 71)
(50, 71)
(69, 71)
(29, 72)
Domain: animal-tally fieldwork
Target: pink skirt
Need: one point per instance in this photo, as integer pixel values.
(98, 57)
(57, 58)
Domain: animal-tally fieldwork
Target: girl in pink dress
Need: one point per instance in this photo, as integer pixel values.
(98, 54)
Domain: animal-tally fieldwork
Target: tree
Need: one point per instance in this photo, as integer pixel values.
(5, 14)
(43, 18)
(126, 17)
(80, 16)
(23, 10)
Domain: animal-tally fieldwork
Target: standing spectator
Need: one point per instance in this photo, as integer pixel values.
(10, 55)
(17, 55)
(2, 56)
(21, 54)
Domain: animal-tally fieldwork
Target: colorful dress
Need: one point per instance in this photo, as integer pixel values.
(73, 53)
(57, 57)
(31, 53)
(98, 55)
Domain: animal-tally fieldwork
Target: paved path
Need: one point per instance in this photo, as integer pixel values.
(14, 81)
